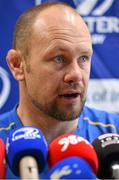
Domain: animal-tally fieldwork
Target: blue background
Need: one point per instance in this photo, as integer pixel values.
(105, 62)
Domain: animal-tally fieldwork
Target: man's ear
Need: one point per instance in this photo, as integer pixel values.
(15, 63)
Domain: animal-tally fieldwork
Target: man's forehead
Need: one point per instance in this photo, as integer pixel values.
(56, 15)
(59, 9)
(60, 22)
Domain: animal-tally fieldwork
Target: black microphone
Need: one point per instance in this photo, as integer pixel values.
(107, 149)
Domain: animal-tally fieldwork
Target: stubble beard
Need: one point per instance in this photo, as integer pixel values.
(53, 111)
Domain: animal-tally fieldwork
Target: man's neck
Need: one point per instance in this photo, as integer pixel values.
(50, 127)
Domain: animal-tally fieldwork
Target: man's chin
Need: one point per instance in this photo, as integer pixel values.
(63, 116)
(67, 114)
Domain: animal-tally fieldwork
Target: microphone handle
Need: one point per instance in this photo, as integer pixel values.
(115, 170)
(28, 168)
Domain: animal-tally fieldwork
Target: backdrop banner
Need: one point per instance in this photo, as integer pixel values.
(102, 18)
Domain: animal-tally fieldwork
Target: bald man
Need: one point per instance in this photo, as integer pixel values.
(51, 59)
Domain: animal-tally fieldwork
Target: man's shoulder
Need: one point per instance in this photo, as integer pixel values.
(6, 118)
(6, 123)
(103, 120)
(99, 114)
(93, 122)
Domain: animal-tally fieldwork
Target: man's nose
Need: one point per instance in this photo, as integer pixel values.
(73, 73)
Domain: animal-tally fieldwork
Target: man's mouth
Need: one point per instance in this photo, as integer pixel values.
(72, 95)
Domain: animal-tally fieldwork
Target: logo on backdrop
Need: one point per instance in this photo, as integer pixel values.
(6, 86)
(94, 14)
(37, 2)
(88, 7)
(106, 96)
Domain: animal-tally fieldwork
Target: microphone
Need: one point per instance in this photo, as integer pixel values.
(27, 152)
(72, 168)
(68, 145)
(2, 160)
(107, 149)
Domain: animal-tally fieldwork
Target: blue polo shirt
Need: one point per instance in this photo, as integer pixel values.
(92, 123)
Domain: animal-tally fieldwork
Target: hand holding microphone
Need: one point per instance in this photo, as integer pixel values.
(27, 152)
(69, 151)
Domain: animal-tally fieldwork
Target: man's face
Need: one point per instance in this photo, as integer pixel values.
(57, 71)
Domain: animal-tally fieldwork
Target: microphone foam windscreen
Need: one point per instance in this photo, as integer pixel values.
(2, 160)
(107, 149)
(71, 168)
(26, 141)
(68, 145)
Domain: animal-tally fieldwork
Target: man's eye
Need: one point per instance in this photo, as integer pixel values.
(59, 59)
(84, 58)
